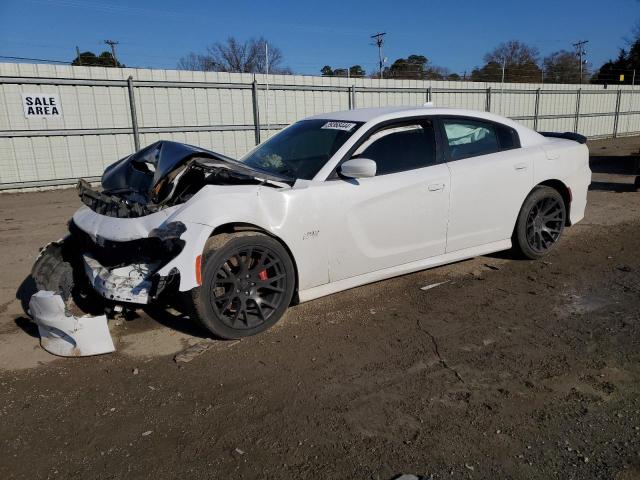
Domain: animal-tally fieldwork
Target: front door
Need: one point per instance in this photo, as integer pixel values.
(400, 215)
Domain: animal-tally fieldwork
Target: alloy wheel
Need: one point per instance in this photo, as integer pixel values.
(545, 222)
(248, 287)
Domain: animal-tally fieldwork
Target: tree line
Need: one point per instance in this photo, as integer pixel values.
(512, 61)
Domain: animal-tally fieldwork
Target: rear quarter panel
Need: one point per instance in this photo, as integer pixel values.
(567, 161)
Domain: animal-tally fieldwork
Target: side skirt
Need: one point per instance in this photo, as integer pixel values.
(450, 257)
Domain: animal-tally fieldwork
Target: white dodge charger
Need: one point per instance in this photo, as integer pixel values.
(329, 203)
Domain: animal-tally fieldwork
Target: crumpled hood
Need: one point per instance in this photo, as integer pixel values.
(142, 171)
(166, 174)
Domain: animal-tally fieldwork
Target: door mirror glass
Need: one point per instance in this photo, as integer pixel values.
(358, 168)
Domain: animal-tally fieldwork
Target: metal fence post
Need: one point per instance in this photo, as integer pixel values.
(577, 119)
(256, 111)
(429, 94)
(352, 97)
(617, 116)
(536, 110)
(487, 105)
(134, 117)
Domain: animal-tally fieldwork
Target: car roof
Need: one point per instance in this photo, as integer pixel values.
(380, 114)
(366, 114)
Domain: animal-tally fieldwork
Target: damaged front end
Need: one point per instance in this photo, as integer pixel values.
(98, 275)
(122, 272)
(124, 239)
(162, 175)
(132, 242)
(127, 271)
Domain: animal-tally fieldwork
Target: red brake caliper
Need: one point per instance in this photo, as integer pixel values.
(263, 275)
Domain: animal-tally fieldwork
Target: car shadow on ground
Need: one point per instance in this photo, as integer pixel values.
(168, 316)
(164, 315)
(627, 165)
(510, 254)
(26, 289)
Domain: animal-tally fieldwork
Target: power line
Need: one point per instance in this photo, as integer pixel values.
(379, 39)
(34, 59)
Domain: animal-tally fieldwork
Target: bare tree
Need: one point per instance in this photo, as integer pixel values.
(562, 67)
(196, 62)
(235, 56)
(518, 60)
(514, 53)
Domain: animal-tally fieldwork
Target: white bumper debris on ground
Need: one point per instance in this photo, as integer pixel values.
(66, 335)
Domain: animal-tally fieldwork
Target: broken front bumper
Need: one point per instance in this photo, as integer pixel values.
(130, 283)
(128, 271)
(135, 259)
(65, 335)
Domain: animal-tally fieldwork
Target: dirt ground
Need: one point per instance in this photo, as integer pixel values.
(512, 369)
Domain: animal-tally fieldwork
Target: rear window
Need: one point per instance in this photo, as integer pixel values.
(471, 138)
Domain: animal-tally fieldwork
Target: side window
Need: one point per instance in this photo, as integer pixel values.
(507, 137)
(469, 138)
(400, 147)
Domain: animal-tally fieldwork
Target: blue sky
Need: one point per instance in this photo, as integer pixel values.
(453, 34)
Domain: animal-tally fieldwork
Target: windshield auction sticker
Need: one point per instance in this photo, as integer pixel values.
(346, 126)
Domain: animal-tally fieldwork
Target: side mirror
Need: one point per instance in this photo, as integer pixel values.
(358, 168)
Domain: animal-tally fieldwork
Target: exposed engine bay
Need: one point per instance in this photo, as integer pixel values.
(162, 175)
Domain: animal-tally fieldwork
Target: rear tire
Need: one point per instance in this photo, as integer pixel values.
(248, 281)
(540, 223)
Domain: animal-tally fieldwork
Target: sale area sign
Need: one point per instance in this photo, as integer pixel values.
(41, 105)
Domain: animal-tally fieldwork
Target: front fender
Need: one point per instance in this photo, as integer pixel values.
(195, 237)
(214, 206)
(289, 215)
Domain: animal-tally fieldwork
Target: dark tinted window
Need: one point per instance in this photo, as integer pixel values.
(301, 150)
(507, 137)
(400, 148)
(470, 138)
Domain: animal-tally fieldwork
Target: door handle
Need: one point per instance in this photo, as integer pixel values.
(520, 166)
(434, 187)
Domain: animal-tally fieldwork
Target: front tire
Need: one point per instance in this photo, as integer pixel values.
(540, 223)
(248, 281)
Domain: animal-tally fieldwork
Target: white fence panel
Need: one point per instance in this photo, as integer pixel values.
(218, 111)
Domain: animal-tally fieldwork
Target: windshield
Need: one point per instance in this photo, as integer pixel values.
(301, 150)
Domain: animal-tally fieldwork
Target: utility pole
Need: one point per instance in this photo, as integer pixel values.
(78, 55)
(379, 39)
(504, 66)
(580, 52)
(266, 95)
(112, 44)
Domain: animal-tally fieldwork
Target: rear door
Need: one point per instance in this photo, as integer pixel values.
(490, 177)
(398, 216)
